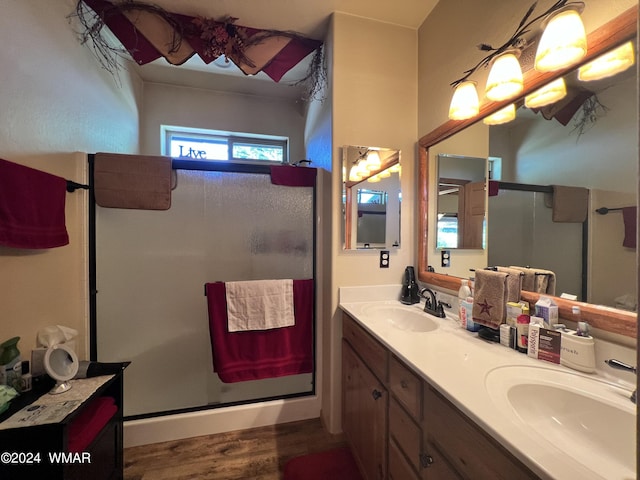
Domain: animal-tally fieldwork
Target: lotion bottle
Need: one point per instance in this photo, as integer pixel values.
(463, 294)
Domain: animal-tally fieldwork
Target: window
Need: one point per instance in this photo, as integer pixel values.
(195, 144)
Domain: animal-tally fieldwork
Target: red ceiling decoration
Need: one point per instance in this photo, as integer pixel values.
(149, 32)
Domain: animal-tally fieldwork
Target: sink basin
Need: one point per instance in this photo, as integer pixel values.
(585, 418)
(401, 317)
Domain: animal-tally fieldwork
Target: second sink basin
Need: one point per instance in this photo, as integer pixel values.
(587, 419)
(401, 317)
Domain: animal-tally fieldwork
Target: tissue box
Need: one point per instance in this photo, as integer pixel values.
(547, 309)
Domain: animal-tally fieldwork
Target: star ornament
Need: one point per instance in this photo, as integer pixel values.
(485, 307)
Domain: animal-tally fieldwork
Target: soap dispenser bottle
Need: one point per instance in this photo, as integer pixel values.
(409, 294)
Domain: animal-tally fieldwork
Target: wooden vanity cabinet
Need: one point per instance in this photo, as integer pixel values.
(365, 400)
(401, 428)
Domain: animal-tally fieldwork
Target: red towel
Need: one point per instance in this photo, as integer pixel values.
(253, 355)
(629, 217)
(31, 207)
(86, 426)
(291, 176)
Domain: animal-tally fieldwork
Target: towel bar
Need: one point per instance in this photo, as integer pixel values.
(73, 186)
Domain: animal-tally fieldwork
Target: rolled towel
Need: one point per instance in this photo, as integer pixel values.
(490, 298)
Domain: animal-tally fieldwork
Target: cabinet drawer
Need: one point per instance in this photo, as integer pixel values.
(399, 467)
(471, 451)
(370, 350)
(406, 433)
(406, 387)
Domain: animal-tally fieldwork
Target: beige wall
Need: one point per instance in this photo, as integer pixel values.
(374, 93)
(55, 100)
(213, 110)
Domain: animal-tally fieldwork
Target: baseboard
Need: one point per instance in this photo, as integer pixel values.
(219, 420)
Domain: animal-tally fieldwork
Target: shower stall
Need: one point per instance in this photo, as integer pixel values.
(227, 222)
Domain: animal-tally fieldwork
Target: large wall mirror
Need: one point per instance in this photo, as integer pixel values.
(535, 156)
(371, 197)
(461, 219)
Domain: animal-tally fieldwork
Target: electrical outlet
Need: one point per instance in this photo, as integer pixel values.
(384, 258)
(445, 258)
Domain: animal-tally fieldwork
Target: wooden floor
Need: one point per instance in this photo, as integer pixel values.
(256, 454)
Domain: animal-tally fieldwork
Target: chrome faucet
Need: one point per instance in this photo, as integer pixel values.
(617, 364)
(431, 305)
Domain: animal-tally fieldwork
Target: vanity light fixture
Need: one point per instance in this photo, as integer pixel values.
(563, 43)
(384, 173)
(465, 103)
(550, 93)
(609, 64)
(503, 115)
(564, 40)
(505, 77)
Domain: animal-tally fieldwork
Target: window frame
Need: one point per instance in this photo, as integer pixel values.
(230, 138)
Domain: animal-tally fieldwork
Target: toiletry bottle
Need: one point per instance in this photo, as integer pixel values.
(10, 364)
(463, 294)
(522, 332)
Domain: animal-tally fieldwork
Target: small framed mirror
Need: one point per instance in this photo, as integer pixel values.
(371, 197)
(461, 220)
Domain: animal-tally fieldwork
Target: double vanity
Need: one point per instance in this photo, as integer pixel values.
(426, 399)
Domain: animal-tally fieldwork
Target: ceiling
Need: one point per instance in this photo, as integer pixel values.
(307, 17)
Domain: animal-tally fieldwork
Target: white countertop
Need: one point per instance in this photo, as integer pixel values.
(456, 362)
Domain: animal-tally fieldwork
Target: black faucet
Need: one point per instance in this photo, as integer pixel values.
(617, 364)
(431, 305)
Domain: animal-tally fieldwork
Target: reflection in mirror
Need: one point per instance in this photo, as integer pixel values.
(461, 202)
(552, 168)
(562, 145)
(371, 197)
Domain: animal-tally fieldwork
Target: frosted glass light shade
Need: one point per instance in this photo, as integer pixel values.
(362, 170)
(384, 174)
(563, 42)
(465, 103)
(550, 93)
(607, 65)
(354, 174)
(505, 78)
(373, 161)
(503, 115)
(374, 179)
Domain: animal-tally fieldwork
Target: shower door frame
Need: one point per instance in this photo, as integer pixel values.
(211, 166)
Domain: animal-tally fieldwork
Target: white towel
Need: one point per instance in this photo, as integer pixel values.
(259, 305)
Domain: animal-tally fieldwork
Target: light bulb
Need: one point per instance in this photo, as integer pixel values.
(505, 78)
(373, 161)
(465, 103)
(607, 65)
(550, 93)
(563, 41)
(503, 115)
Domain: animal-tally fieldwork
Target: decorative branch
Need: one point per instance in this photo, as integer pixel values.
(516, 40)
(588, 115)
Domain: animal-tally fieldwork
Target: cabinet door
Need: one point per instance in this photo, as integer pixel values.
(470, 450)
(436, 466)
(364, 419)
